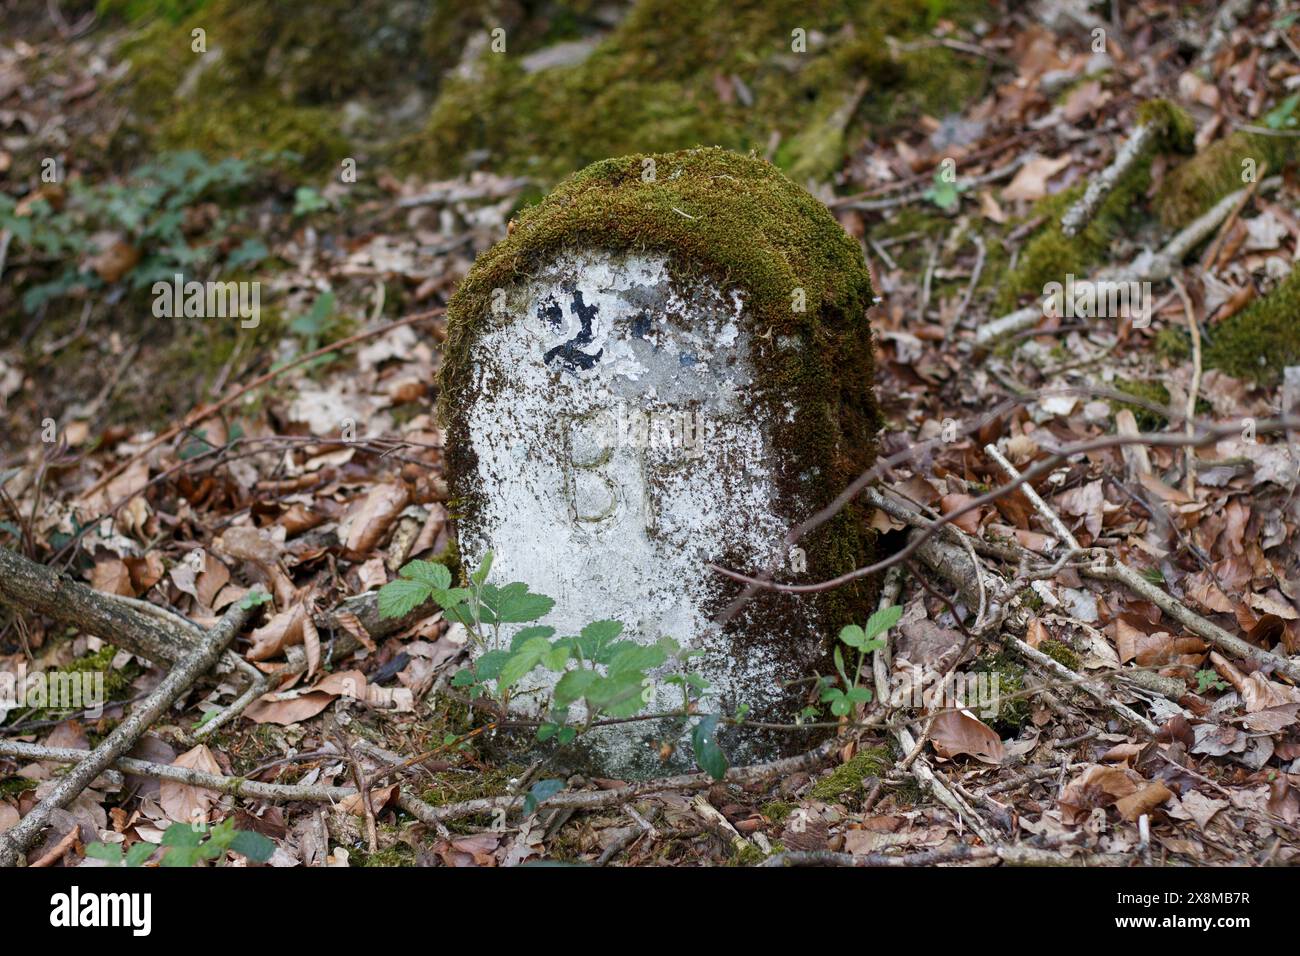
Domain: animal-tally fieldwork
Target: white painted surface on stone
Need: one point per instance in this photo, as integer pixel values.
(573, 504)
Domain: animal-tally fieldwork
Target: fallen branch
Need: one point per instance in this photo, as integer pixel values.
(234, 786)
(156, 633)
(1008, 855)
(15, 842)
(1145, 268)
(1103, 184)
(1104, 567)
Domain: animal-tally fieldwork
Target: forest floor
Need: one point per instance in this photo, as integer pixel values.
(1140, 612)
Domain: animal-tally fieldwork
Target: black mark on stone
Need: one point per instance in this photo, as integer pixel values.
(569, 353)
(641, 325)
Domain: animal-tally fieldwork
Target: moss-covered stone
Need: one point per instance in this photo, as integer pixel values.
(272, 78)
(741, 224)
(13, 786)
(777, 811)
(1262, 339)
(848, 776)
(653, 85)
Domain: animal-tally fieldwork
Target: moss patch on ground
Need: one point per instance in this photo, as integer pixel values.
(1010, 676)
(1217, 170)
(1051, 255)
(847, 777)
(1262, 339)
(1154, 392)
(271, 78)
(666, 78)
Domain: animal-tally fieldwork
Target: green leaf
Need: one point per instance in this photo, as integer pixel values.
(1281, 117)
(254, 598)
(526, 634)
(541, 791)
(596, 639)
(252, 845)
(853, 636)
(139, 853)
(705, 744)
(547, 731)
(573, 686)
(307, 200)
(882, 621)
(183, 835)
(489, 665)
(515, 604)
(637, 657)
(480, 576)
(429, 572)
(110, 853)
(522, 661)
(402, 596)
(556, 657)
(618, 695)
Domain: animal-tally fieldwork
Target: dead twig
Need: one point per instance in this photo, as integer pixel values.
(190, 668)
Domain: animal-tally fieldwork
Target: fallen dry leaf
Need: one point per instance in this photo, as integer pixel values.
(961, 732)
(183, 803)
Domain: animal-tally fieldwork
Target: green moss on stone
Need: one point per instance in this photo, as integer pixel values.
(847, 777)
(272, 79)
(741, 223)
(13, 786)
(1052, 255)
(778, 810)
(1262, 339)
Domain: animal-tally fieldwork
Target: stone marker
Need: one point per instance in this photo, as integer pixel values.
(666, 363)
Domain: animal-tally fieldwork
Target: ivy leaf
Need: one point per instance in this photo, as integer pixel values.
(110, 853)
(139, 853)
(705, 744)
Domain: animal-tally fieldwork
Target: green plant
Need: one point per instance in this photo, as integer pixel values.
(864, 641)
(600, 676)
(1208, 679)
(187, 845)
(148, 213)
